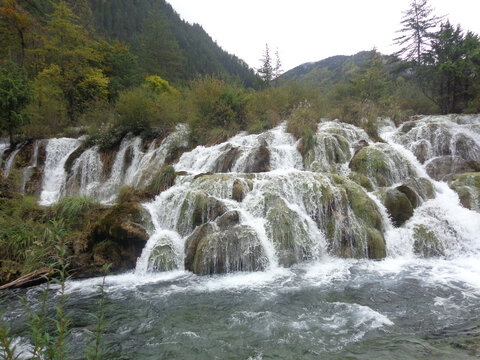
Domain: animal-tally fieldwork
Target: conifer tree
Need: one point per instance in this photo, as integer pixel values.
(417, 25)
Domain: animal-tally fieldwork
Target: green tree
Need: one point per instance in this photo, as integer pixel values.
(266, 70)
(15, 94)
(370, 81)
(158, 48)
(450, 77)
(16, 25)
(417, 25)
(73, 62)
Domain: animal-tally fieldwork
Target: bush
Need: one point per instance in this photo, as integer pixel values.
(215, 110)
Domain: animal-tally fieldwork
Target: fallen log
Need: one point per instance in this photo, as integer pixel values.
(34, 278)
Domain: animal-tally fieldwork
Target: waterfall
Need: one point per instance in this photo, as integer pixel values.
(54, 177)
(9, 161)
(28, 171)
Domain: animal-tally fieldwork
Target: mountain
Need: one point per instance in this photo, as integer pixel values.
(164, 43)
(327, 72)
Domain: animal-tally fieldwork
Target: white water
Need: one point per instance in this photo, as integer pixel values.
(54, 176)
(9, 161)
(27, 172)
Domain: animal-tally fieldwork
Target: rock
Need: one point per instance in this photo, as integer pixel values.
(407, 126)
(259, 160)
(361, 180)
(467, 187)
(426, 243)
(240, 189)
(214, 249)
(198, 208)
(350, 219)
(382, 164)
(287, 231)
(162, 258)
(226, 161)
(359, 145)
(445, 167)
(328, 152)
(118, 237)
(398, 206)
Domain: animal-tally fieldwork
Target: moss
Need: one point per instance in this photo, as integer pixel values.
(399, 206)
(162, 180)
(361, 180)
(376, 245)
(162, 258)
(426, 243)
(467, 187)
(372, 163)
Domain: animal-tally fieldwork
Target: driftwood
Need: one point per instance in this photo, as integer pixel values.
(34, 278)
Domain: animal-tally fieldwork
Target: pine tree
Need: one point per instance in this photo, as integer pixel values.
(417, 24)
(266, 71)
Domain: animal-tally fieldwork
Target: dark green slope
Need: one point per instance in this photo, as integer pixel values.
(165, 44)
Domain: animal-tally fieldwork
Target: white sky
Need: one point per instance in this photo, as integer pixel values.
(311, 30)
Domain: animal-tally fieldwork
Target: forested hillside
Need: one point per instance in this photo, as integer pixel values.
(163, 42)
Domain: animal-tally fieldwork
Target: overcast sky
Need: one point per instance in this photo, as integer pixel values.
(311, 30)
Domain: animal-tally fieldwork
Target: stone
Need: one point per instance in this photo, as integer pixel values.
(398, 206)
(445, 168)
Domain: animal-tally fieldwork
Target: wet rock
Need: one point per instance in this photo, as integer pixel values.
(467, 187)
(226, 161)
(162, 258)
(198, 208)
(382, 164)
(445, 167)
(361, 180)
(328, 152)
(214, 249)
(426, 243)
(240, 189)
(398, 206)
(119, 236)
(359, 145)
(259, 160)
(287, 231)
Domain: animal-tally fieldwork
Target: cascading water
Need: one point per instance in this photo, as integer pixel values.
(28, 171)
(9, 161)
(253, 203)
(54, 177)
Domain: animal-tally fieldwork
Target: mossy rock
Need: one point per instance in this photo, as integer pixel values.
(426, 244)
(398, 206)
(287, 231)
(210, 250)
(376, 245)
(329, 151)
(361, 180)
(198, 208)
(107, 252)
(162, 258)
(124, 226)
(382, 164)
(371, 163)
(467, 186)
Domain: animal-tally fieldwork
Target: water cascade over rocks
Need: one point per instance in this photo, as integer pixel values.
(254, 203)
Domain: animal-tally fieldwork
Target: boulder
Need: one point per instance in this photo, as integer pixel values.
(118, 237)
(398, 206)
(240, 189)
(258, 160)
(445, 168)
(426, 243)
(224, 246)
(467, 187)
(226, 161)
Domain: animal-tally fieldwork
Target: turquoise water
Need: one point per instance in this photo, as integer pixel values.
(334, 309)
